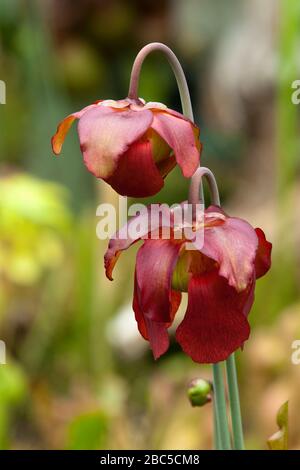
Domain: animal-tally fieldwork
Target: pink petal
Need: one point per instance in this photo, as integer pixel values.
(182, 136)
(155, 263)
(214, 325)
(180, 116)
(106, 133)
(232, 244)
(144, 223)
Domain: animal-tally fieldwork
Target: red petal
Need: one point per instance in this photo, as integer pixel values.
(155, 263)
(155, 332)
(232, 244)
(214, 324)
(263, 254)
(179, 135)
(106, 133)
(247, 299)
(63, 128)
(136, 174)
(137, 227)
(158, 337)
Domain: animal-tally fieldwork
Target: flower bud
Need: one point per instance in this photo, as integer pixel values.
(199, 392)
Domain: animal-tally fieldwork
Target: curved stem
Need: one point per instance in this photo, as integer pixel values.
(196, 185)
(176, 67)
(236, 418)
(220, 404)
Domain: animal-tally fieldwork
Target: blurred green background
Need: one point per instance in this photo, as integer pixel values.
(78, 375)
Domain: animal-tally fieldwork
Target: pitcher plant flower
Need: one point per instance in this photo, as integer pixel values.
(219, 276)
(133, 145)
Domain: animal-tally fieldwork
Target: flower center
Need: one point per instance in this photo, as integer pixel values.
(189, 263)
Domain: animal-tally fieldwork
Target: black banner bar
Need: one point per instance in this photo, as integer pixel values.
(136, 459)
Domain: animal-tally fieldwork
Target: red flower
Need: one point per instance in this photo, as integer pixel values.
(133, 146)
(219, 277)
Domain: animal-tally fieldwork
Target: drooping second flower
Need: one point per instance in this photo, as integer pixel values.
(133, 145)
(219, 275)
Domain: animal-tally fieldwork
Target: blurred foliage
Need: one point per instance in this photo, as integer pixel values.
(279, 440)
(88, 431)
(33, 219)
(13, 391)
(78, 375)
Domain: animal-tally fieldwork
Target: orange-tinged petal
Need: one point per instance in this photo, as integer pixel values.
(63, 128)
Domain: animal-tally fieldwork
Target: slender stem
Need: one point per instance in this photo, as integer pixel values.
(176, 67)
(221, 412)
(196, 185)
(217, 439)
(234, 400)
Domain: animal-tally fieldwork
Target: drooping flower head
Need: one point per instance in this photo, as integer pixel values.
(133, 145)
(219, 275)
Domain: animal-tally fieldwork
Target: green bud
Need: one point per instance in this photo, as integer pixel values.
(199, 392)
